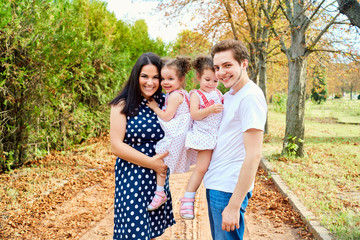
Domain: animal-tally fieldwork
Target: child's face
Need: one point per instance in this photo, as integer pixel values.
(208, 81)
(170, 81)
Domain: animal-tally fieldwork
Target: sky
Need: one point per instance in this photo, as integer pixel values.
(132, 10)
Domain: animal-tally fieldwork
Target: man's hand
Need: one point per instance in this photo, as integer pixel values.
(230, 219)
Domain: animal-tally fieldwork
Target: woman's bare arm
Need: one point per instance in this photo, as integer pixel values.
(126, 152)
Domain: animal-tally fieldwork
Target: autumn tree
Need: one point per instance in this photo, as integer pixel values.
(238, 19)
(350, 76)
(190, 43)
(300, 15)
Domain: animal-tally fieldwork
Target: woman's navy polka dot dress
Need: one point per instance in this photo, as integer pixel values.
(135, 185)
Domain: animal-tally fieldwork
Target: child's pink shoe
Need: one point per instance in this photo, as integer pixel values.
(158, 200)
(187, 212)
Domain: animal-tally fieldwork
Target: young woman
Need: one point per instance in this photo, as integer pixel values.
(134, 132)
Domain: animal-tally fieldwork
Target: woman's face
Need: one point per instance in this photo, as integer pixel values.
(149, 80)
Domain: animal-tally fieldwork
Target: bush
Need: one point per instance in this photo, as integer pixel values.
(279, 102)
(60, 63)
(337, 96)
(319, 91)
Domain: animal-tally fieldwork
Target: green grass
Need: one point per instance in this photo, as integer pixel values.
(327, 179)
(346, 111)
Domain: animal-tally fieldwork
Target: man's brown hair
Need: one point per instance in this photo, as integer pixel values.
(238, 48)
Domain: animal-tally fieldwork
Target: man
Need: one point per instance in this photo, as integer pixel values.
(230, 178)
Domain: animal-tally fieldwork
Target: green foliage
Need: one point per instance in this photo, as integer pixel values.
(279, 101)
(60, 63)
(190, 43)
(292, 145)
(337, 96)
(319, 91)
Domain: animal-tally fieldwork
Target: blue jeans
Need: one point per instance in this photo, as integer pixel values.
(217, 201)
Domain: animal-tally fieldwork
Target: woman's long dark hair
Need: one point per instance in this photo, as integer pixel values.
(131, 93)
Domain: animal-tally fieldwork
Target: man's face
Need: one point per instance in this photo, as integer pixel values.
(227, 69)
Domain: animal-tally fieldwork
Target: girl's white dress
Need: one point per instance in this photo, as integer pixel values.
(203, 134)
(179, 159)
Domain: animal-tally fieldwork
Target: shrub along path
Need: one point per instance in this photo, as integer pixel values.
(69, 195)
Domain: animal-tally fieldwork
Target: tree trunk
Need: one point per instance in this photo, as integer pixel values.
(351, 9)
(253, 67)
(262, 80)
(295, 108)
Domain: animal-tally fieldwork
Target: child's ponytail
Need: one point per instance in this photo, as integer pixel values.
(181, 64)
(201, 63)
(184, 65)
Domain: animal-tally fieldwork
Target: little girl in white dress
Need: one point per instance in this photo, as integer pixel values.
(206, 111)
(176, 121)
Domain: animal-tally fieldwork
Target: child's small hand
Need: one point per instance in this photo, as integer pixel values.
(217, 108)
(152, 104)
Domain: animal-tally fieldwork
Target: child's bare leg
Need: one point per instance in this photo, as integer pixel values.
(160, 196)
(202, 165)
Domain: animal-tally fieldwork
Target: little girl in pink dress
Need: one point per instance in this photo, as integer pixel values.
(176, 121)
(206, 111)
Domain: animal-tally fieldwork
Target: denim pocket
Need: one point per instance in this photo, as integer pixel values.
(219, 200)
(246, 201)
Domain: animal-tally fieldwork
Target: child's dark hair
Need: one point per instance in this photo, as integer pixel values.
(202, 63)
(182, 65)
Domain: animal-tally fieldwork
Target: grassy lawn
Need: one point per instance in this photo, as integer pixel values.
(327, 179)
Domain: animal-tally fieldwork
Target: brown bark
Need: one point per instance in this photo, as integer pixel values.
(295, 109)
(351, 9)
(297, 56)
(262, 79)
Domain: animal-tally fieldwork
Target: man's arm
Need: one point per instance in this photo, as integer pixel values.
(253, 139)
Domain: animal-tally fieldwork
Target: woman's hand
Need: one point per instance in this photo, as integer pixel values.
(217, 108)
(159, 165)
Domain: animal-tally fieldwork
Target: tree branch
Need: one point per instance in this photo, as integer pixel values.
(285, 14)
(303, 10)
(326, 50)
(248, 18)
(322, 32)
(316, 10)
(289, 11)
(228, 10)
(283, 46)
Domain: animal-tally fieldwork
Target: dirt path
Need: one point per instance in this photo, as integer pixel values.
(82, 206)
(258, 224)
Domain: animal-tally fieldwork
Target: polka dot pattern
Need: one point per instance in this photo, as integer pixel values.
(135, 185)
(179, 159)
(203, 134)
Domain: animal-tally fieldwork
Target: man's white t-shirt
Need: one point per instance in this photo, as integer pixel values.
(242, 111)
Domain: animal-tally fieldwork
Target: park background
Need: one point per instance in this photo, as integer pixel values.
(62, 61)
